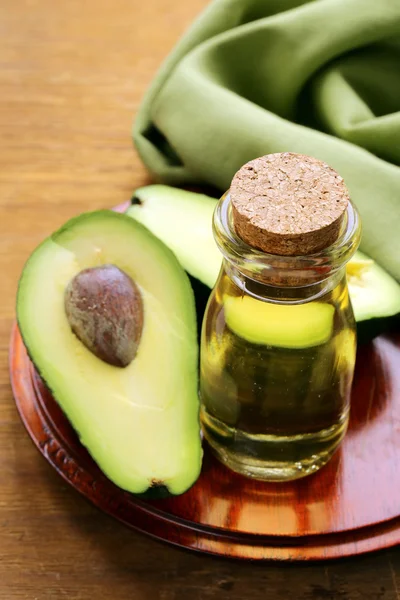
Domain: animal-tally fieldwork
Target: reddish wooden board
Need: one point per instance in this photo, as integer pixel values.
(350, 507)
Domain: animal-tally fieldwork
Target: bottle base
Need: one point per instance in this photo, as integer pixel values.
(270, 457)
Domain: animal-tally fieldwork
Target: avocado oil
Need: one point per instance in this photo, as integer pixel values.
(269, 411)
(279, 338)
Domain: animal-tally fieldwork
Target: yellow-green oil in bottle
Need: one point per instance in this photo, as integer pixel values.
(276, 377)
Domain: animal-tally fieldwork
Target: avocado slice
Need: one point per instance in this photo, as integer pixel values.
(374, 293)
(183, 221)
(140, 422)
(375, 297)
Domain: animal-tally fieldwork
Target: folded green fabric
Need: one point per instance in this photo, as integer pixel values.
(319, 77)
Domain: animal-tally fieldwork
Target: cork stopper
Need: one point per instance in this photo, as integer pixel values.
(288, 204)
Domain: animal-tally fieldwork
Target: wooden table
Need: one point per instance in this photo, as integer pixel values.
(71, 79)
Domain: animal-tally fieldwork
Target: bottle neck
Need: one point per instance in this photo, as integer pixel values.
(285, 278)
(283, 294)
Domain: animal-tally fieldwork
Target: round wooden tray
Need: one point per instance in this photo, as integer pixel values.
(350, 507)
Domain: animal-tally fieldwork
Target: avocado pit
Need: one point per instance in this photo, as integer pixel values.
(104, 309)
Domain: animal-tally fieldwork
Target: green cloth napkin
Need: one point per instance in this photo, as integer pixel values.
(319, 77)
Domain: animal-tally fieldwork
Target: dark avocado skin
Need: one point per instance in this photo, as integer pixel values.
(370, 329)
(201, 296)
(157, 492)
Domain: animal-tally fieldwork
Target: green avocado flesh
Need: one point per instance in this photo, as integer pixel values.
(183, 221)
(374, 293)
(140, 423)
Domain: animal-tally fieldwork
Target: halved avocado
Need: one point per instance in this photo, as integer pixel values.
(183, 221)
(140, 422)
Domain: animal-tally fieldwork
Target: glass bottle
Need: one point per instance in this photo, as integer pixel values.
(277, 354)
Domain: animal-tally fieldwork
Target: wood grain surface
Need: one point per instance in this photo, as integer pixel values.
(72, 76)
